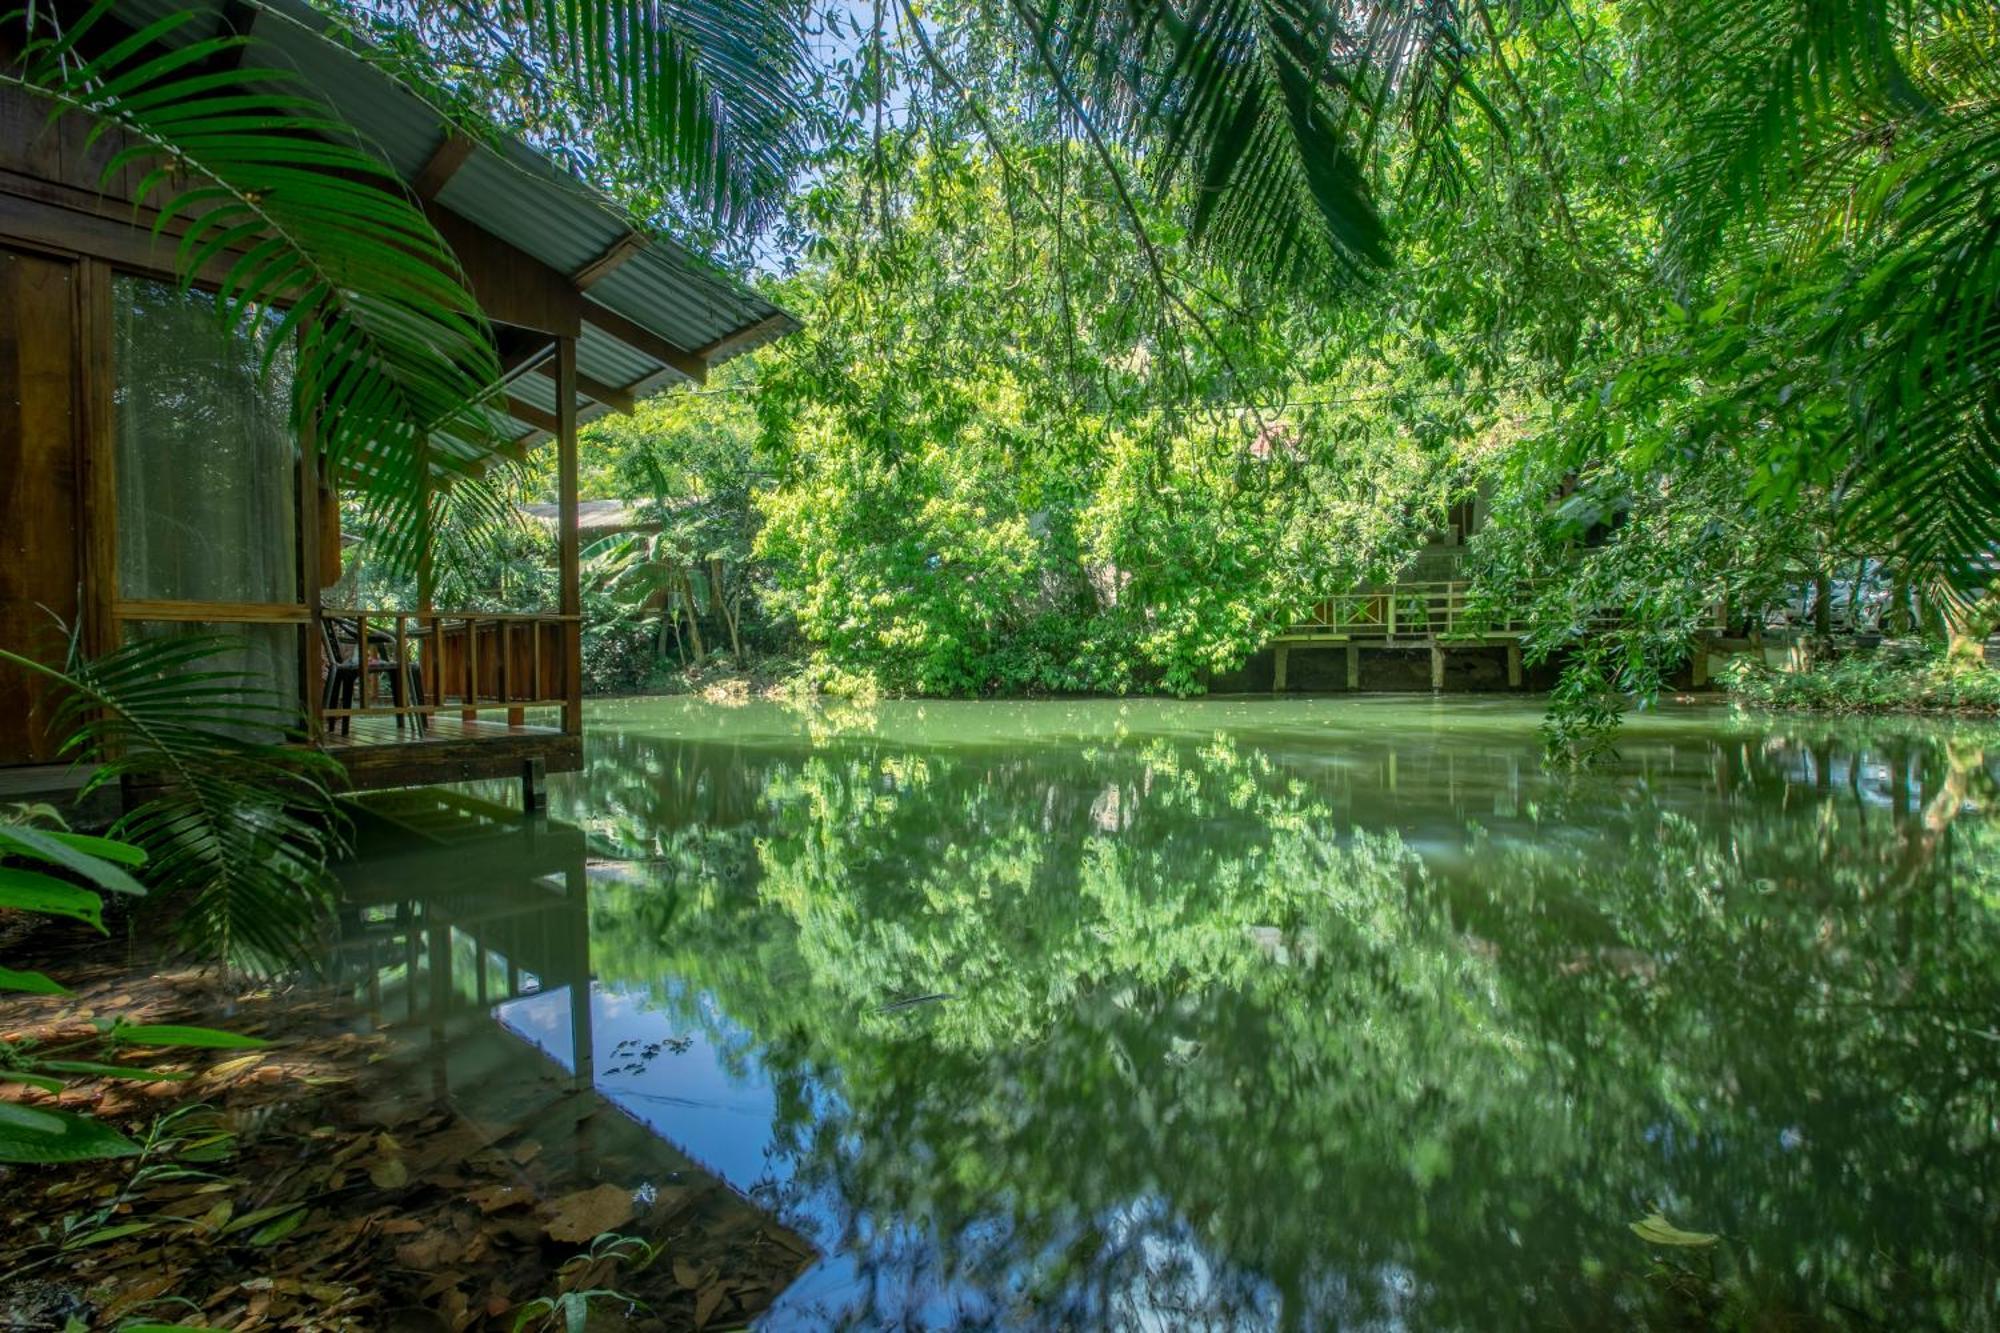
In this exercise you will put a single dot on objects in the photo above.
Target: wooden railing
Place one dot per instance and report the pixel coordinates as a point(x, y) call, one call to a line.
point(1425, 611)
point(420, 664)
point(1405, 611)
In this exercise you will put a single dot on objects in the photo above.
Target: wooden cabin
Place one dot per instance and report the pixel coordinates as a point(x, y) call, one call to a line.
point(150, 483)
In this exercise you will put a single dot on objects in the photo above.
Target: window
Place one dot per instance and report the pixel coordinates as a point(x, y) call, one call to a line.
point(205, 472)
point(206, 508)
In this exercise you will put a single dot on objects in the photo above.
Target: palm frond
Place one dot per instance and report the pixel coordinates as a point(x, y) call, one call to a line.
point(1921, 318)
point(708, 97)
point(1266, 109)
point(1864, 138)
point(1766, 90)
point(301, 227)
point(241, 827)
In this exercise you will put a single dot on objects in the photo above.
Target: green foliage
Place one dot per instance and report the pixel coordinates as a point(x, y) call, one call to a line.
point(238, 836)
point(73, 870)
point(1863, 682)
point(1034, 474)
point(569, 1308)
point(178, 1146)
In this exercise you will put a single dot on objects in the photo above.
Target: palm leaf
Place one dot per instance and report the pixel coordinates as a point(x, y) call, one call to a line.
point(303, 229)
point(708, 97)
point(242, 825)
point(1865, 136)
point(1266, 108)
point(1757, 86)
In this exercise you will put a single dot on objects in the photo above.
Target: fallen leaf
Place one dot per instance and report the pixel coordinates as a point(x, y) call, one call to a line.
point(1656, 1230)
point(389, 1173)
point(236, 1066)
point(493, 1198)
point(428, 1253)
point(590, 1213)
point(687, 1274)
point(705, 1304)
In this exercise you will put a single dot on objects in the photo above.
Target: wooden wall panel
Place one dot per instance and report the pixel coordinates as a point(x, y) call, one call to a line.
point(39, 559)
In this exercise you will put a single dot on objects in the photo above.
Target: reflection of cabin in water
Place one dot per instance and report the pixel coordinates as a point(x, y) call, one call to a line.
point(149, 479)
point(465, 940)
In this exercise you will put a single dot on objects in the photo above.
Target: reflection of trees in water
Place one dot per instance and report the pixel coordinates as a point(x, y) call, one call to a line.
point(1192, 1019)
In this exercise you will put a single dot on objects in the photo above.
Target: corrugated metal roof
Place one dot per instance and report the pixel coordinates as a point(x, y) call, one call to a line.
point(524, 199)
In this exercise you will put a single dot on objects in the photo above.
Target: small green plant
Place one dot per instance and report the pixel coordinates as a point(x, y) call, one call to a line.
point(569, 1308)
point(240, 832)
point(48, 870)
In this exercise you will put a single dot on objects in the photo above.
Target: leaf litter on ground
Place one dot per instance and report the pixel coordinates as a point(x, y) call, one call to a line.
point(316, 1191)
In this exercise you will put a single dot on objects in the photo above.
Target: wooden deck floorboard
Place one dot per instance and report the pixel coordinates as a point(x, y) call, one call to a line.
point(376, 753)
point(440, 730)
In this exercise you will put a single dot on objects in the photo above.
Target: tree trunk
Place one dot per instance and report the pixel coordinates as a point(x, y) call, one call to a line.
point(694, 620)
point(726, 608)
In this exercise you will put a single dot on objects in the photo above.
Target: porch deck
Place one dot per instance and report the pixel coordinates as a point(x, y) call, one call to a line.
point(377, 753)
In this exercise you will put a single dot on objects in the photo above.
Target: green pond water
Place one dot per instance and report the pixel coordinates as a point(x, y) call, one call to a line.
point(1305, 1013)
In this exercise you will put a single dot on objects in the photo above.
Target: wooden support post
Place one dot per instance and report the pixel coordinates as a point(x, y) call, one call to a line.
point(515, 716)
point(1353, 666)
point(1437, 665)
point(570, 566)
point(98, 485)
point(1281, 657)
point(432, 670)
point(1700, 665)
point(412, 960)
point(534, 787)
point(581, 1038)
point(1513, 666)
point(470, 711)
point(438, 946)
point(402, 676)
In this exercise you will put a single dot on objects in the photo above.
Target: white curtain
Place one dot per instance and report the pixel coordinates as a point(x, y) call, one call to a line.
point(205, 465)
point(206, 470)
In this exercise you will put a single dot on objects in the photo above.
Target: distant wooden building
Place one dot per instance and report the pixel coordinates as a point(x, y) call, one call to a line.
point(149, 481)
point(596, 519)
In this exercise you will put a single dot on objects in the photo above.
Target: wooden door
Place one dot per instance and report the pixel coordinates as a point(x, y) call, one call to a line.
point(39, 551)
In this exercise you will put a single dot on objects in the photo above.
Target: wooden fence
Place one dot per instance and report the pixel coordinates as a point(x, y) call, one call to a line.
point(1418, 611)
